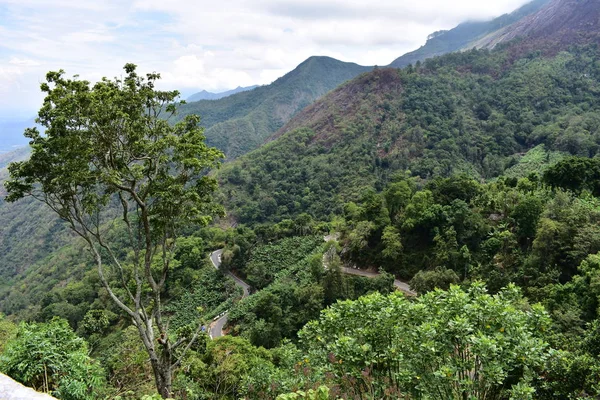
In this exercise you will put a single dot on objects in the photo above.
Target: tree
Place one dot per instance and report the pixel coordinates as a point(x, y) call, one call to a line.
point(51, 358)
point(453, 344)
point(392, 244)
point(575, 174)
point(439, 278)
point(110, 160)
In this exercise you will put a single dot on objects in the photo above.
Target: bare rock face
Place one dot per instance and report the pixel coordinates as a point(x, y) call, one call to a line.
point(12, 390)
point(563, 22)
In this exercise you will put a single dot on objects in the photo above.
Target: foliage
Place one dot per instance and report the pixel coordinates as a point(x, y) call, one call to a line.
point(576, 174)
point(8, 331)
point(51, 358)
point(267, 260)
point(230, 368)
point(322, 393)
point(107, 145)
point(427, 120)
point(439, 278)
point(445, 345)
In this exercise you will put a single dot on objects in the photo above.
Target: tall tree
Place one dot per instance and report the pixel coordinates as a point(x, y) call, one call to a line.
point(109, 158)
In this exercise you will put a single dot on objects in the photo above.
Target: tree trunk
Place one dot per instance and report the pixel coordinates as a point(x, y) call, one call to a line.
point(162, 377)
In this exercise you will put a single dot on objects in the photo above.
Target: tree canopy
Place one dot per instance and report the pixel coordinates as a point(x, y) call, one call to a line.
point(109, 163)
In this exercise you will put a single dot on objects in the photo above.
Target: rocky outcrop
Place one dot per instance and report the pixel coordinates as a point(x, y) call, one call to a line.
point(12, 390)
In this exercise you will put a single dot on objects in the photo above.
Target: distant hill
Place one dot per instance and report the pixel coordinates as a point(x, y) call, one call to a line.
point(17, 154)
point(204, 95)
point(465, 35)
point(241, 122)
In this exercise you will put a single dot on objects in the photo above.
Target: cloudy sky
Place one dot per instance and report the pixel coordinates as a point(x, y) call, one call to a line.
point(213, 45)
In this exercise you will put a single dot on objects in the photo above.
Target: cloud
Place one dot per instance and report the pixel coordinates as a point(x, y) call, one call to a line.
point(197, 44)
point(24, 62)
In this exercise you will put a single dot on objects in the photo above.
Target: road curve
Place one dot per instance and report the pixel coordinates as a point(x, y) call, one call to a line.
point(398, 284)
point(402, 286)
point(216, 328)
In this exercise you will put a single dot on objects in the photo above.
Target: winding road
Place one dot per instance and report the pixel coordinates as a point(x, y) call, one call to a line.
point(216, 327)
point(398, 284)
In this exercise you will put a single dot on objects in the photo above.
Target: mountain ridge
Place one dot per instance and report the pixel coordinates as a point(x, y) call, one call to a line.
point(206, 95)
point(559, 23)
point(465, 35)
point(243, 121)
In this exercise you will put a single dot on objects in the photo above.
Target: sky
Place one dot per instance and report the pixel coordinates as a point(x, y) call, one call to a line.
point(211, 45)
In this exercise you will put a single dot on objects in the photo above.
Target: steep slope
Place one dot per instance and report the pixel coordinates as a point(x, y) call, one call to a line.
point(241, 122)
point(205, 95)
point(17, 154)
point(559, 24)
point(465, 36)
point(28, 230)
point(475, 112)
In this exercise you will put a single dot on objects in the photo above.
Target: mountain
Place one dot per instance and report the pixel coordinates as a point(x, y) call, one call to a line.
point(465, 35)
point(474, 112)
point(18, 154)
point(557, 25)
point(204, 95)
point(241, 122)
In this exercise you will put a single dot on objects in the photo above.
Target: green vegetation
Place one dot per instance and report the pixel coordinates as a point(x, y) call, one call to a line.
point(474, 113)
point(474, 176)
point(444, 345)
point(242, 122)
point(107, 158)
point(52, 359)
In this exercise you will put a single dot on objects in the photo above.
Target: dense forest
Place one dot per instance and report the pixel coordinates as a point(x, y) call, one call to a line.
point(473, 177)
point(475, 113)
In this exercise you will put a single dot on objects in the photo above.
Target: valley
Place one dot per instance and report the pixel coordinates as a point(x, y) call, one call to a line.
point(424, 230)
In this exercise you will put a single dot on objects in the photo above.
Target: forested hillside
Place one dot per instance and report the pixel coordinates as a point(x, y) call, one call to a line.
point(473, 178)
point(242, 122)
point(475, 113)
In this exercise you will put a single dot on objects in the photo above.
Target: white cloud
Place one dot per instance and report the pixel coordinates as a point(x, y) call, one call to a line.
point(24, 62)
point(197, 44)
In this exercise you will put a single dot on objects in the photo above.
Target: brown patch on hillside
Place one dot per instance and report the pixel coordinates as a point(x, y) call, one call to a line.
point(561, 23)
point(329, 115)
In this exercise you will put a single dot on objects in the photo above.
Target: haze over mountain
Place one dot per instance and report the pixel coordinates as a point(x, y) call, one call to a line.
point(559, 23)
point(205, 95)
point(465, 35)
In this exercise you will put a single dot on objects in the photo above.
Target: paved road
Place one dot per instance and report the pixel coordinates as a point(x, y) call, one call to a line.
point(402, 286)
point(216, 328)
